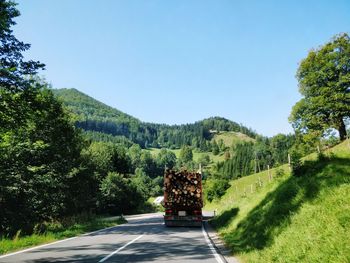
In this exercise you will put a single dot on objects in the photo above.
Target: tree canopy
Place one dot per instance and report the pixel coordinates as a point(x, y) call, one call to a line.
point(324, 82)
point(13, 68)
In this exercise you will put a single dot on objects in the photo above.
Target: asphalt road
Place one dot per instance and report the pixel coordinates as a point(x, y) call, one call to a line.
point(142, 239)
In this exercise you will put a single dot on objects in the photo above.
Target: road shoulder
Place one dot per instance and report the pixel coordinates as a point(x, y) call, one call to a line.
point(219, 244)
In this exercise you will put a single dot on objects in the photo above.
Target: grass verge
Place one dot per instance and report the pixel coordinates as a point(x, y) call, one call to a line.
point(292, 219)
point(56, 231)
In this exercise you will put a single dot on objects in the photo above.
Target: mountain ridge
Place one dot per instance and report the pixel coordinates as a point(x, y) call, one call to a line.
point(94, 115)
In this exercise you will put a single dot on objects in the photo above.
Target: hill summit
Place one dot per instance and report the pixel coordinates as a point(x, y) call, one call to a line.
point(95, 116)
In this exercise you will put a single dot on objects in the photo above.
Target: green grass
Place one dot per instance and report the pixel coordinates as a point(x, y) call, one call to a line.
point(54, 232)
point(232, 138)
point(229, 138)
point(291, 219)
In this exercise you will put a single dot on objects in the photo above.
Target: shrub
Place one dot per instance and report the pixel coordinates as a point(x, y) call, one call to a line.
point(217, 189)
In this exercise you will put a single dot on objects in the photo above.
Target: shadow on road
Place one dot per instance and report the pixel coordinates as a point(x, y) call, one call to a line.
point(159, 243)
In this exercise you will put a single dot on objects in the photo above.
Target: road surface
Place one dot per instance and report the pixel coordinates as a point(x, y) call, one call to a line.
point(142, 239)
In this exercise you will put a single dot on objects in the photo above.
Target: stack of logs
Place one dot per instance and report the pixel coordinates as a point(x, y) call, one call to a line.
point(182, 189)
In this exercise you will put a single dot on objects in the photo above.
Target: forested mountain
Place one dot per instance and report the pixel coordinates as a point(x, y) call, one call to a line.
point(93, 115)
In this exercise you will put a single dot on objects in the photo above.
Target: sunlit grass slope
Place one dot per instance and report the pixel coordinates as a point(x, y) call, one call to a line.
point(290, 219)
point(231, 138)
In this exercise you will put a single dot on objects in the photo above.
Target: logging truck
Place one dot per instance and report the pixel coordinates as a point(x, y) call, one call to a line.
point(183, 199)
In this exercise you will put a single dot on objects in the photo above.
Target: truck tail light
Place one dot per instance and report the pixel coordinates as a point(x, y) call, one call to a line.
point(168, 212)
point(197, 212)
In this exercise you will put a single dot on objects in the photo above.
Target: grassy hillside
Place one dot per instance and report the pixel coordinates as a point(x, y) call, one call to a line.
point(232, 138)
point(290, 219)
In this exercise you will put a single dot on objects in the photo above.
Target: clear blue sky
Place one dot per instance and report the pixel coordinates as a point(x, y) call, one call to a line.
point(182, 61)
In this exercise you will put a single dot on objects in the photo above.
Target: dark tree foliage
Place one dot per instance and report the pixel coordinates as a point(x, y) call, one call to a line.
point(39, 166)
point(240, 164)
point(48, 171)
point(96, 116)
point(118, 195)
point(216, 189)
point(103, 137)
point(247, 158)
point(166, 159)
point(13, 68)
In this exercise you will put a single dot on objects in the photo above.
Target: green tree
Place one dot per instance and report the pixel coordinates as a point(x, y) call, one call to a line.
point(135, 155)
point(215, 148)
point(16, 87)
point(166, 158)
point(13, 67)
point(324, 82)
point(148, 164)
point(204, 159)
point(39, 167)
point(118, 195)
point(108, 157)
point(143, 183)
point(216, 189)
point(186, 154)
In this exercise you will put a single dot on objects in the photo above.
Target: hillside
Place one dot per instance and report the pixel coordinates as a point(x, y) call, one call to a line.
point(196, 155)
point(290, 219)
point(231, 138)
point(94, 116)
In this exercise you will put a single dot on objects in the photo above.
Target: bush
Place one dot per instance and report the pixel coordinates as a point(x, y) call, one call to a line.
point(118, 195)
point(217, 189)
point(279, 172)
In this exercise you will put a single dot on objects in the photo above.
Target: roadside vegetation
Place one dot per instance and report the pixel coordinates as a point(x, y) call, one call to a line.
point(300, 214)
point(63, 153)
point(291, 218)
point(48, 232)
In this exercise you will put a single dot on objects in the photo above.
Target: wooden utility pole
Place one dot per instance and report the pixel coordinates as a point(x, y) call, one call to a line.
point(268, 172)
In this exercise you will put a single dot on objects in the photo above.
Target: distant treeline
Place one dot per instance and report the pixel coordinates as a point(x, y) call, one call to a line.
point(96, 116)
point(247, 158)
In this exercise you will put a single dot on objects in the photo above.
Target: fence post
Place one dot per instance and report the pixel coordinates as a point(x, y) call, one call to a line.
point(290, 168)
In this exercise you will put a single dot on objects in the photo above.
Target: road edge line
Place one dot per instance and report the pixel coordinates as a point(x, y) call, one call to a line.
point(37, 247)
point(219, 258)
point(54, 242)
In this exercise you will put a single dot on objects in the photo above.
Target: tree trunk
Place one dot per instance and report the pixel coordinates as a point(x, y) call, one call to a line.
point(342, 130)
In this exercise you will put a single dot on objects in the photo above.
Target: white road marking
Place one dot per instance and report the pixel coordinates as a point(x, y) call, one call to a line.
point(56, 242)
point(119, 249)
point(32, 248)
point(213, 250)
